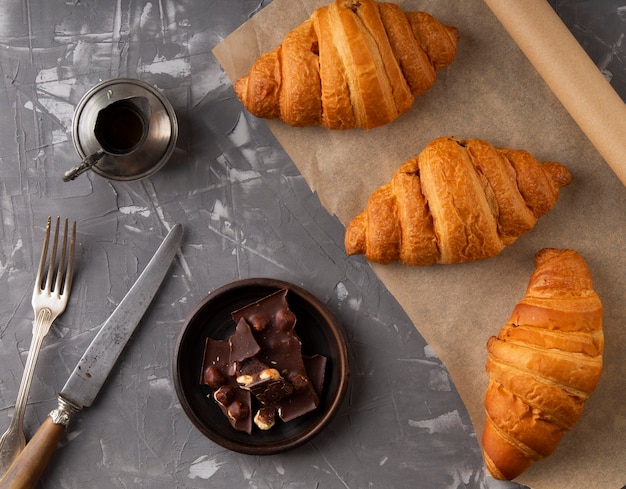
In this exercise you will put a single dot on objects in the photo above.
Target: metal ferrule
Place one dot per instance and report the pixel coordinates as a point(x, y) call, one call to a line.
point(63, 412)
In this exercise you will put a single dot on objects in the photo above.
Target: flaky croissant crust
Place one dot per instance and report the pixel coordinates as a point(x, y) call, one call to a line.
point(352, 64)
point(543, 365)
point(458, 201)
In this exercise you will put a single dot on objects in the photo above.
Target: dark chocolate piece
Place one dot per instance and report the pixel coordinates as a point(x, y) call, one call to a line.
point(242, 343)
point(303, 399)
point(316, 370)
point(215, 363)
point(272, 324)
point(234, 402)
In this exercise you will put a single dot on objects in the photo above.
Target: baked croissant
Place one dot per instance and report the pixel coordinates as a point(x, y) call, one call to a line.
point(543, 365)
point(354, 63)
point(458, 201)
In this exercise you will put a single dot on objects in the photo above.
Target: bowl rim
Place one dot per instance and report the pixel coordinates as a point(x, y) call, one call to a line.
point(342, 368)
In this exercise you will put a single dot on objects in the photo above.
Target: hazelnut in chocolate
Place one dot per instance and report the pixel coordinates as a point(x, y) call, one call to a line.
point(265, 418)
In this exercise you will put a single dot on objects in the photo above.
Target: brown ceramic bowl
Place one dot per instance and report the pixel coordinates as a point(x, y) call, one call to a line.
point(319, 333)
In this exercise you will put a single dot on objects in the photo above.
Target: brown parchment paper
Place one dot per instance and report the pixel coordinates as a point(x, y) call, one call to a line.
point(570, 73)
point(491, 91)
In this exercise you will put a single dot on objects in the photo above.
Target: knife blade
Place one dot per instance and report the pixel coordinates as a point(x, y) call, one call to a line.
point(93, 368)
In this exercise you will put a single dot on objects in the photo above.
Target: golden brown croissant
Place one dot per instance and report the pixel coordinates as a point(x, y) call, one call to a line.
point(543, 365)
point(354, 63)
point(458, 201)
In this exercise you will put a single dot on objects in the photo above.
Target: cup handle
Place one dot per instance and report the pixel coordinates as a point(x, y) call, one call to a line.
point(84, 165)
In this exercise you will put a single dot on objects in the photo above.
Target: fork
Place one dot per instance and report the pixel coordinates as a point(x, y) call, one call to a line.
point(50, 296)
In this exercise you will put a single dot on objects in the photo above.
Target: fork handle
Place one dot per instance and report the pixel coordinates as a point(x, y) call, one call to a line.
point(27, 468)
point(41, 326)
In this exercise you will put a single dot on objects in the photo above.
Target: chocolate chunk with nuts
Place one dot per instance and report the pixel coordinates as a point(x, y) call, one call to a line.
point(234, 402)
point(281, 349)
point(265, 383)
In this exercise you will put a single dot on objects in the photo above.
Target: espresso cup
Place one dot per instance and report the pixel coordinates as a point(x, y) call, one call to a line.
point(124, 129)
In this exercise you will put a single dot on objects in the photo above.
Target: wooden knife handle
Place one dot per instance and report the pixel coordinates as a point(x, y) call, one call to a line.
point(29, 465)
point(27, 468)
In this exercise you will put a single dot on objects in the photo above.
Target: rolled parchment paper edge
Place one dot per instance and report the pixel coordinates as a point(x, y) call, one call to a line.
point(570, 73)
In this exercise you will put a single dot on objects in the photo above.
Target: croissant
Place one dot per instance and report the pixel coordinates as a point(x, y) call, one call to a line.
point(543, 365)
point(353, 63)
point(458, 201)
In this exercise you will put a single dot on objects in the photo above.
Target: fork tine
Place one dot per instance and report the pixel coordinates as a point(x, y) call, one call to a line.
point(67, 283)
point(59, 279)
point(53, 258)
point(46, 284)
point(44, 255)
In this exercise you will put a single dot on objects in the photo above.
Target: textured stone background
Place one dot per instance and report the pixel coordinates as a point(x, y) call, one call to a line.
point(247, 212)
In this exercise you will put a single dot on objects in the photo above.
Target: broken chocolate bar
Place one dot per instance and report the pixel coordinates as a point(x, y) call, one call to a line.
point(272, 324)
point(263, 357)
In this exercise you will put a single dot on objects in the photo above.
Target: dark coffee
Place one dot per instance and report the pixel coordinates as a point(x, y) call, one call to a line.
point(120, 127)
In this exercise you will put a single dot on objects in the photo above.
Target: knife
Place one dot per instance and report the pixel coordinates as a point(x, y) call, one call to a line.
point(93, 368)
